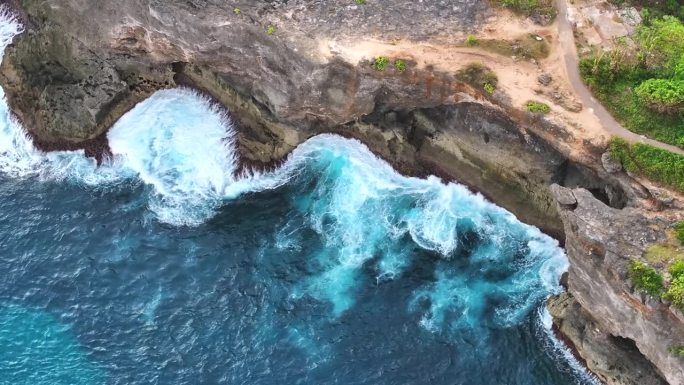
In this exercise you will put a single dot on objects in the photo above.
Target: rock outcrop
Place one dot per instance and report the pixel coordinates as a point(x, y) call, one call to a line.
point(600, 242)
point(81, 64)
point(615, 360)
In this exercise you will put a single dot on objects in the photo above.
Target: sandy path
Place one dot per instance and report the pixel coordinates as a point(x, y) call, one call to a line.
point(517, 78)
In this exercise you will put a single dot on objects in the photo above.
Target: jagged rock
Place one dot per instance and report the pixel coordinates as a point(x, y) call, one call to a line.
point(563, 195)
point(600, 243)
point(615, 360)
point(544, 79)
point(99, 58)
point(109, 55)
point(610, 164)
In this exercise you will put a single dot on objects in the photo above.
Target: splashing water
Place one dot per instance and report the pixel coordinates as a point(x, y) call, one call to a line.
point(328, 267)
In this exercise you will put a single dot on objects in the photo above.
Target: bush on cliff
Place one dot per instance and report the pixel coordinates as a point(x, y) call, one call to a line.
point(537, 107)
point(380, 63)
point(677, 269)
point(658, 165)
point(478, 75)
point(679, 228)
point(675, 293)
point(647, 279)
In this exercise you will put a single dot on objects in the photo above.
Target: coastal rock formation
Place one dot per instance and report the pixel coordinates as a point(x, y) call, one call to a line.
point(600, 243)
point(273, 64)
point(615, 360)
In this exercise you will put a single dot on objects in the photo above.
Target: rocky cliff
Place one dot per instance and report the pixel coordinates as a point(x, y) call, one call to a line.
point(275, 65)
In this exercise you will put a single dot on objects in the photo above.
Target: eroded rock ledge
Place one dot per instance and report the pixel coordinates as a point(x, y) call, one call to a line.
point(80, 65)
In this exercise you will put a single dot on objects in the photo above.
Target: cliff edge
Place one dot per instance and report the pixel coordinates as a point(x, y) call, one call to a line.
point(288, 70)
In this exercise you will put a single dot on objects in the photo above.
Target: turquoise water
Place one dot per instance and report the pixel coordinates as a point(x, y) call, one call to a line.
point(163, 266)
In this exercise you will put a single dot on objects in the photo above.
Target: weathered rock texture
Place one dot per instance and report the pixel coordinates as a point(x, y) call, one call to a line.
point(81, 64)
point(617, 361)
point(600, 242)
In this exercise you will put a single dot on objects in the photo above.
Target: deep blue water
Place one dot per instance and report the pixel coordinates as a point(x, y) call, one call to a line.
point(162, 267)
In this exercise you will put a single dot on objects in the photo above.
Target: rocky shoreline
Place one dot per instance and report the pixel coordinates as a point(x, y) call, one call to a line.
point(286, 87)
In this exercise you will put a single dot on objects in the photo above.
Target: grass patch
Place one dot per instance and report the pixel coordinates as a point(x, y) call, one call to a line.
point(479, 76)
point(679, 229)
point(537, 107)
point(663, 254)
point(677, 351)
point(270, 30)
point(360, 2)
point(471, 40)
point(658, 165)
point(543, 8)
point(646, 279)
point(526, 46)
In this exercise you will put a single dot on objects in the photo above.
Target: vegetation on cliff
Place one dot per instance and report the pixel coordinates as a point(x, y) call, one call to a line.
point(643, 85)
point(479, 76)
point(650, 281)
point(646, 278)
point(655, 8)
point(668, 256)
point(658, 165)
point(539, 9)
point(537, 107)
point(528, 46)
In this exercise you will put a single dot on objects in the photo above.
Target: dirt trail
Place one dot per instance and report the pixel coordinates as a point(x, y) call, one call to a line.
point(517, 78)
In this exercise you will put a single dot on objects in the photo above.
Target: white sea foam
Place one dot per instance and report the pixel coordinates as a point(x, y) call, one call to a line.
point(561, 352)
point(183, 150)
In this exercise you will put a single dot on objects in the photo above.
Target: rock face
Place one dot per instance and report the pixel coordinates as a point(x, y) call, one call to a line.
point(617, 361)
point(81, 64)
point(600, 242)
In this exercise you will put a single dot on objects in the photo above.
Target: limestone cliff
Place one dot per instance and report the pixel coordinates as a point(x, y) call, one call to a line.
point(81, 64)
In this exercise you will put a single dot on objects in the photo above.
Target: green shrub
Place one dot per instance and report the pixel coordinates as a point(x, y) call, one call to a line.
point(360, 2)
point(662, 43)
point(237, 11)
point(400, 65)
point(662, 95)
point(679, 228)
point(537, 107)
point(380, 63)
point(650, 162)
point(675, 293)
point(477, 75)
point(489, 88)
point(677, 269)
point(647, 279)
point(270, 30)
point(471, 40)
point(677, 350)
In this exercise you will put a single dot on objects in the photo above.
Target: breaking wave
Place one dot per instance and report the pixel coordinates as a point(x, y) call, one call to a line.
point(490, 272)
